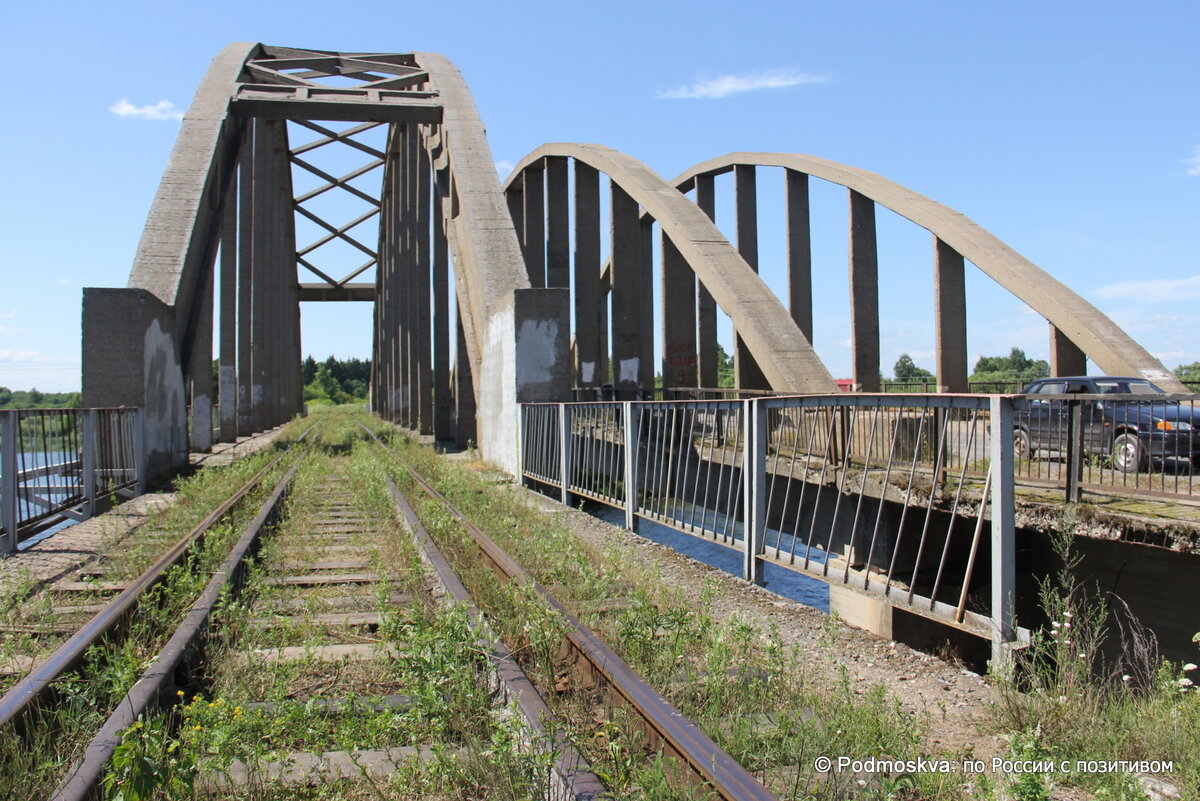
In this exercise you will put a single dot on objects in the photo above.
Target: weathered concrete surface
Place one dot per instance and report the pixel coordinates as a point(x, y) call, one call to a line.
point(783, 353)
point(543, 344)
point(485, 249)
point(130, 359)
point(1107, 345)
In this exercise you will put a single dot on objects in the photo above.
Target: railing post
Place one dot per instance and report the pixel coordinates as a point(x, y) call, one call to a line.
point(8, 480)
point(522, 443)
point(1003, 538)
point(140, 461)
point(88, 457)
point(1074, 449)
point(564, 452)
point(630, 414)
point(754, 489)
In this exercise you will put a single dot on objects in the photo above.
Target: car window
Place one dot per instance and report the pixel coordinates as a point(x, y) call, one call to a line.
point(1051, 388)
point(1127, 386)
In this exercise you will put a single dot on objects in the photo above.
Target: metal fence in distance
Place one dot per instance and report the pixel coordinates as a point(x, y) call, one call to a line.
point(882, 494)
point(62, 464)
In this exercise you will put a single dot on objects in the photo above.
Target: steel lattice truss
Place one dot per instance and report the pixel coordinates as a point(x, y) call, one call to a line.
point(315, 78)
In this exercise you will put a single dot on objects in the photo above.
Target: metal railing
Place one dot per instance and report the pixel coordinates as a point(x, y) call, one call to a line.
point(60, 464)
point(1146, 445)
point(883, 494)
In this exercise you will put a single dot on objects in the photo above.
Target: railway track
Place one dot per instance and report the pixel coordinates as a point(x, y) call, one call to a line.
point(335, 648)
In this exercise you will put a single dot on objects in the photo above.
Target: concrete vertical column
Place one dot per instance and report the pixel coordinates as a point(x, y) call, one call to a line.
point(679, 318)
point(443, 402)
point(534, 214)
point(287, 344)
point(424, 360)
point(260, 266)
point(950, 317)
point(706, 305)
point(245, 289)
point(389, 329)
point(1003, 548)
point(626, 256)
point(408, 282)
point(645, 281)
point(377, 308)
point(1065, 356)
point(558, 223)
point(748, 374)
point(200, 363)
point(227, 352)
point(514, 195)
point(464, 391)
point(799, 252)
point(864, 294)
point(590, 311)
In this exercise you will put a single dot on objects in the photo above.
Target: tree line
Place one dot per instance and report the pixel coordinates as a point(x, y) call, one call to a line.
point(1015, 368)
point(336, 380)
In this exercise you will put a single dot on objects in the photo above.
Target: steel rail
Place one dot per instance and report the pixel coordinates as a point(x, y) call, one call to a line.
point(667, 727)
point(577, 781)
point(25, 692)
point(155, 684)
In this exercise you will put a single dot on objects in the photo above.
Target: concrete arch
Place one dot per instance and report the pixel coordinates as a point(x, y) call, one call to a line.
point(785, 357)
point(227, 189)
point(1087, 327)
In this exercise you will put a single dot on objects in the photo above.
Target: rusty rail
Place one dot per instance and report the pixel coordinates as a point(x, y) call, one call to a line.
point(706, 763)
point(27, 691)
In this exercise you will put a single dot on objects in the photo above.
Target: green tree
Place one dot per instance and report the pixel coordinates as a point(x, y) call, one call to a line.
point(724, 367)
point(1016, 367)
point(308, 369)
point(1188, 372)
point(906, 369)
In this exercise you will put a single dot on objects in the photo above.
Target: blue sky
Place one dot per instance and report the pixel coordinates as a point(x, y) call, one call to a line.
point(1068, 129)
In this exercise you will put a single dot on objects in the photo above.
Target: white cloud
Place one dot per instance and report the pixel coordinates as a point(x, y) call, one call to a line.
point(7, 314)
point(162, 110)
point(1153, 290)
point(504, 167)
point(5, 330)
point(1193, 163)
point(725, 85)
point(23, 357)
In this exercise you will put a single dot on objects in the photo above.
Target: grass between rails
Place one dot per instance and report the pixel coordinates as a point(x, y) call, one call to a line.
point(53, 736)
point(258, 714)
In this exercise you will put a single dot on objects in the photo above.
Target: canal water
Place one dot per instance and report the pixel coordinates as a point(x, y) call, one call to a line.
point(779, 580)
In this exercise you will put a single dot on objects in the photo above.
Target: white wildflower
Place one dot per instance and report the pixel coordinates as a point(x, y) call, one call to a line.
point(1189, 667)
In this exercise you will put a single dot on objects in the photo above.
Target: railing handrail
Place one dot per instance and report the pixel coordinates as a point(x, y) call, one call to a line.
point(61, 469)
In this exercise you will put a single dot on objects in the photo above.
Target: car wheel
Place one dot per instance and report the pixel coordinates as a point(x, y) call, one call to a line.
point(1022, 445)
point(1128, 455)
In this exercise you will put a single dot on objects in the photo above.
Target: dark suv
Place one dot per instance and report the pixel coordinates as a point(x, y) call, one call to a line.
point(1130, 427)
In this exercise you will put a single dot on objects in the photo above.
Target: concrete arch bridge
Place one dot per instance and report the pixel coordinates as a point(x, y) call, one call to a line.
point(486, 296)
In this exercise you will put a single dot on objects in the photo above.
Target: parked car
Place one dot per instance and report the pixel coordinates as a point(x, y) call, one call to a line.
point(1129, 428)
